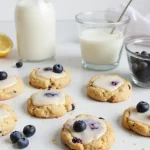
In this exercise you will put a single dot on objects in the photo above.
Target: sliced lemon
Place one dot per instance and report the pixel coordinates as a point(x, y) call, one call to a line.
point(6, 45)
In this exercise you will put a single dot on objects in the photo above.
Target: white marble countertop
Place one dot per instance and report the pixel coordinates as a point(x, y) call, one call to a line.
point(68, 54)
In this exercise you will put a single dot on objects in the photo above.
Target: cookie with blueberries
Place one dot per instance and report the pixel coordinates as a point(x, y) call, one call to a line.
point(50, 104)
point(46, 78)
point(87, 132)
point(10, 86)
point(8, 119)
point(109, 88)
point(137, 119)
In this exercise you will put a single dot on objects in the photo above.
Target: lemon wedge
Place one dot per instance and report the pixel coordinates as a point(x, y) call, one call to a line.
point(6, 45)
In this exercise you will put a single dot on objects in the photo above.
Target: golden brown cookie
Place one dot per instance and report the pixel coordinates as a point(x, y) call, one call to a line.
point(50, 104)
point(8, 119)
point(111, 88)
point(44, 78)
point(12, 90)
point(98, 134)
point(136, 121)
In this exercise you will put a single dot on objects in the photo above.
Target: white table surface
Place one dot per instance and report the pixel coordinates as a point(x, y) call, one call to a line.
point(68, 54)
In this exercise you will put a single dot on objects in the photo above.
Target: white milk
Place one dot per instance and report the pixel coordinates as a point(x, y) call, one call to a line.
point(98, 46)
point(35, 27)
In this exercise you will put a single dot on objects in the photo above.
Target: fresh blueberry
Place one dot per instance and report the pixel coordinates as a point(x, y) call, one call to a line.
point(22, 143)
point(19, 64)
point(79, 126)
point(15, 136)
point(47, 69)
point(58, 68)
point(73, 106)
point(3, 75)
point(137, 53)
point(144, 53)
point(142, 107)
point(149, 54)
point(50, 94)
point(76, 140)
point(134, 67)
point(143, 66)
point(29, 130)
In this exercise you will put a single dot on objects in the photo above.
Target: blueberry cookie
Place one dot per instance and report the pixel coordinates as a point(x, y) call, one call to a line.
point(87, 132)
point(111, 88)
point(137, 119)
point(8, 119)
point(45, 78)
point(50, 104)
point(10, 86)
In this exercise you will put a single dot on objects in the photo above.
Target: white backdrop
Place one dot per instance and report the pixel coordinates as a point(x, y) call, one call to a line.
point(66, 9)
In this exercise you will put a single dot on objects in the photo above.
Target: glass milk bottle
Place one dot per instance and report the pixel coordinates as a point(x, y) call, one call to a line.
point(35, 27)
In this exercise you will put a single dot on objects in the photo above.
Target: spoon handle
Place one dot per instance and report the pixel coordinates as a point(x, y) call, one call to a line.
point(122, 14)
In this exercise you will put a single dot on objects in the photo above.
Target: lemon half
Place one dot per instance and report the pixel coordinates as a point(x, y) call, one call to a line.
point(6, 45)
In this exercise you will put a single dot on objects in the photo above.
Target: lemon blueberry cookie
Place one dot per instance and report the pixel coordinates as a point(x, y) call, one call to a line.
point(44, 78)
point(8, 119)
point(50, 104)
point(137, 119)
point(10, 86)
point(110, 88)
point(87, 132)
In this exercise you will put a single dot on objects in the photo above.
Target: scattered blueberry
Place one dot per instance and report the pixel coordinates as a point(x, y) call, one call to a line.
point(134, 67)
point(15, 136)
point(29, 130)
point(73, 106)
point(47, 69)
point(79, 126)
point(50, 94)
point(114, 83)
point(58, 68)
point(19, 64)
point(149, 54)
point(76, 140)
point(143, 66)
point(3, 75)
point(144, 53)
point(22, 143)
point(142, 107)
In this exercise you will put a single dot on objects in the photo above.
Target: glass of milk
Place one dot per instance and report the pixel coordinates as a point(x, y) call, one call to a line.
point(35, 29)
point(101, 38)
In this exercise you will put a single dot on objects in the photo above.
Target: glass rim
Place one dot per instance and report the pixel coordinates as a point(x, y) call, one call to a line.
point(134, 41)
point(99, 23)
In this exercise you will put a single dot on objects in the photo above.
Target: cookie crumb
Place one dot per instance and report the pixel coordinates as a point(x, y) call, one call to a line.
point(134, 144)
point(131, 134)
point(43, 121)
point(54, 141)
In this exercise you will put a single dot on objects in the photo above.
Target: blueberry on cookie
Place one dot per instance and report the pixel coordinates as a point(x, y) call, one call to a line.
point(111, 88)
point(56, 77)
point(86, 132)
point(137, 119)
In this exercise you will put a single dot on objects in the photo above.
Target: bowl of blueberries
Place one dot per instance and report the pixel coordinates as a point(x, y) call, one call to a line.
point(138, 53)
